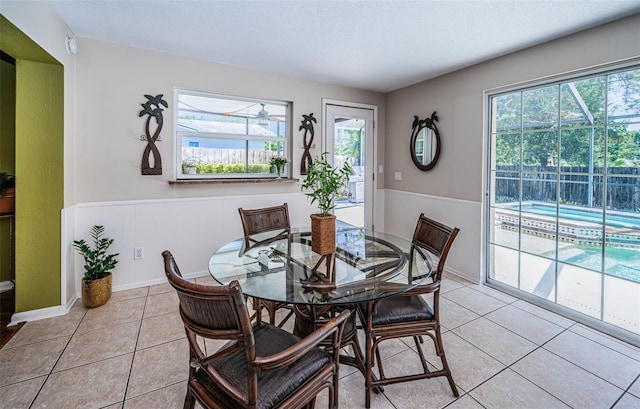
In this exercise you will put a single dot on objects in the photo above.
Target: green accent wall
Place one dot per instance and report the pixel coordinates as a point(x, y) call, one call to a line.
point(39, 139)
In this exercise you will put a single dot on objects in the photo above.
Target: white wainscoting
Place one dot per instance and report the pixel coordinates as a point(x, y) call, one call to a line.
point(192, 229)
point(404, 208)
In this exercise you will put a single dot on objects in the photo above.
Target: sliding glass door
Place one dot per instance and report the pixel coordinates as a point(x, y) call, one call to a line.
point(564, 195)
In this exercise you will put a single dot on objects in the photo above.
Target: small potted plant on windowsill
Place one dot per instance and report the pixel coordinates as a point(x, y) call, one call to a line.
point(96, 283)
point(278, 163)
point(323, 183)
point(7, 193)
point(189, 166)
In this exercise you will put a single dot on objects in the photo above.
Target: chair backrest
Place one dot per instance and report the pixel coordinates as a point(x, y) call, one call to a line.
point(436, 238)
point(211, 311)
point(255, 222)
point(266, 219)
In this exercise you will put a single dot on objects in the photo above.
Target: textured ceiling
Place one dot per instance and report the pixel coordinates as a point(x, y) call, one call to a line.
point(375, 45)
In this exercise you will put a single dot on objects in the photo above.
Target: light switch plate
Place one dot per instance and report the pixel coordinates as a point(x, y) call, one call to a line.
point(398, 176)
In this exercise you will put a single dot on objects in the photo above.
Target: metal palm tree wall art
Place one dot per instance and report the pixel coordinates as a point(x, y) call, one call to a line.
point(152, 108)
point(307, 125)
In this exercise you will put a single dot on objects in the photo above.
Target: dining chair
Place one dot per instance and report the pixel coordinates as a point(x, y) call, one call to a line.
point(409, 314)
point(256, 224)
point(261, 366)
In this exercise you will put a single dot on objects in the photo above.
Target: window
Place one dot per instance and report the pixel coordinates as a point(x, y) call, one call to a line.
point(228, 137)
point(564, 191)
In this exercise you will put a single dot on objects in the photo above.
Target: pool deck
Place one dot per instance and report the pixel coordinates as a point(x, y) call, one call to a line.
point(568, 230)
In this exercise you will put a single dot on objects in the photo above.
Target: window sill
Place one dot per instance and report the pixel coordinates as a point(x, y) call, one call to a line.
point(230, 181)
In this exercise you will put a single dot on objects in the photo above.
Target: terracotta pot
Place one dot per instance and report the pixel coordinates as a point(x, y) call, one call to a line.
point(323, 234)
point(96, 292)
point(8, 201)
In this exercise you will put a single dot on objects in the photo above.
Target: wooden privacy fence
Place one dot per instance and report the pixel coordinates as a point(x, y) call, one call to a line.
point(225, 156)
point(540, 184)
point(232, 156)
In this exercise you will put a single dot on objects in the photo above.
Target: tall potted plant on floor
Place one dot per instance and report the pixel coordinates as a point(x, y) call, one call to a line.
point(96, 283)
point(323, 184)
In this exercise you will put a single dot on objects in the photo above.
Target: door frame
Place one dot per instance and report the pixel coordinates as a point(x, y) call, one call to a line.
point(370, 176)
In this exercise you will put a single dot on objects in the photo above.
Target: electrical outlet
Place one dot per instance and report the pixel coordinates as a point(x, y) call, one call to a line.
point(138, 253)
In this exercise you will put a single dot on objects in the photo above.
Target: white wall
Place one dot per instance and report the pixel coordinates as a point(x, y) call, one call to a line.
point(146, 211)
point(112, 81)
point(456, 185)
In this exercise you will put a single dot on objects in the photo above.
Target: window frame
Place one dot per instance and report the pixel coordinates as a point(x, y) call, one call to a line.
point(247, 137)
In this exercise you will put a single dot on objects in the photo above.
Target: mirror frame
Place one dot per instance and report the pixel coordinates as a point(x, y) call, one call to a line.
point(417, 127)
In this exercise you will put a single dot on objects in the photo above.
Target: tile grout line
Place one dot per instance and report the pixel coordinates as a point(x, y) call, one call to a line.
point(135, 348)
point(57, 360)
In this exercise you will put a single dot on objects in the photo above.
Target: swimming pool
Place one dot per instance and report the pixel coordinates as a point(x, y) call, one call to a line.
point(614, 219)
point(577, 225)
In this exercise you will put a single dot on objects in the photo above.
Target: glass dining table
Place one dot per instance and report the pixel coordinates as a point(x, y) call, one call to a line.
point(281, 267)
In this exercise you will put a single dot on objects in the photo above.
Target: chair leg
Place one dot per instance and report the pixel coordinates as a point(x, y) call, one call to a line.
point(418, 340)
point(445, 365)
point(189, 400)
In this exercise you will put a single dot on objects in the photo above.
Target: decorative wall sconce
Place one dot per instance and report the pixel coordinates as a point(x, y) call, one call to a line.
point(152, 108)
point(307, 125)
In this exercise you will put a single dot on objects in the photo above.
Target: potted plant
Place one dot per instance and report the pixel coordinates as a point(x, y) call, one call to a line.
point(189, 166)
point(323, 183)
point(278, 162)
point(96, 283)
point(7, 193)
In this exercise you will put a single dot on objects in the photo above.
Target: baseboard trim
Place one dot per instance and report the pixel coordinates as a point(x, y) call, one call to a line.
point(39, 314)
point(50, 312)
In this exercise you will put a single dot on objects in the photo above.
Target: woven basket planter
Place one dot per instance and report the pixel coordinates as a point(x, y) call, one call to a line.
point(323, 234)
point(96, 292)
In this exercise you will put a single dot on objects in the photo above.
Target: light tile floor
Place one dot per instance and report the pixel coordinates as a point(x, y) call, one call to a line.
point(504, 353)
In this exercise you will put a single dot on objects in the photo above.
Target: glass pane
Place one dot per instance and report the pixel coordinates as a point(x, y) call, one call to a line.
point(504, 265)
point(506, 187)
point(217, 156)
point(623, 146)
point(624, 97)
point(506, 230)
point(539, 187)
point(579, 289)
point(540, 149)
point(538, 276)
point(581, 190)
point(622, 303)
point(540, 108)
point(538, 217)
point(623, 192)
point(581, 147)
point(506, 112)
point(582, 102)
point(506, 151)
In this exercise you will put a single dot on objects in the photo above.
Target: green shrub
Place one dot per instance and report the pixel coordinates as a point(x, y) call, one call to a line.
point(234, 168)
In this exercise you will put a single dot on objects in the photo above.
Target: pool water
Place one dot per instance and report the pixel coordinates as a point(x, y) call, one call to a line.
point(619, 220)
point(619, 262)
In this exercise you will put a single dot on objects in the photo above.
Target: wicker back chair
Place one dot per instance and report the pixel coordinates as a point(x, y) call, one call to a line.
point(263, 366)
point(257, 224)
point(409, 314)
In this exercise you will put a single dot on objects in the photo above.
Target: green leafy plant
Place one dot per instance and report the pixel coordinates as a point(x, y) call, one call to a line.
point(324, 182)
point(7, 181)
point(97, 263)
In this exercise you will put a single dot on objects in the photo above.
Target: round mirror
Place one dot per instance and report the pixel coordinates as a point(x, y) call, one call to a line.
point(425, 142)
